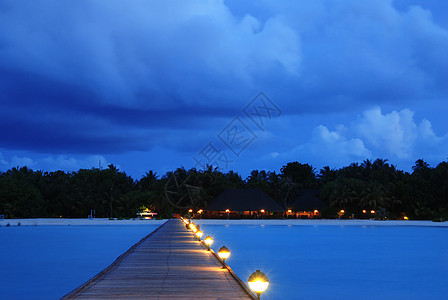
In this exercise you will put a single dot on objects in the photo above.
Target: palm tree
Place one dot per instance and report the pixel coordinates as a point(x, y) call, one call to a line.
point(420, 164)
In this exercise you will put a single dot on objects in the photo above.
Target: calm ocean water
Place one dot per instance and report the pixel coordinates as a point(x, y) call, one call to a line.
point(340, 262)
point(47, 262)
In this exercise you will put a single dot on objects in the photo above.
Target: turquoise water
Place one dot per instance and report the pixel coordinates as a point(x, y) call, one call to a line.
point(340, 262)
point(47, 262)
point(302, 262)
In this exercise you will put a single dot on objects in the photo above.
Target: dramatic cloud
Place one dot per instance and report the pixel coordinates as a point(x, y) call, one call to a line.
point(395, 136)
point(82, 78)
point(51, 163)
point(330, 147)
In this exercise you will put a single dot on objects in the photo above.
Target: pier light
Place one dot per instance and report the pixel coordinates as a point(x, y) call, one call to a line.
point(342, 211)
point(227, 210)
point(405, 218)
point(289, 211)
point(208, 241)
point(190, 210)
point(258, 282)
point(262, 211)
point(193, 227)
point(200, 211)
point(316, 211)
point(199, 234)
point(224, 253)
point(372, 211)
point(364, 211)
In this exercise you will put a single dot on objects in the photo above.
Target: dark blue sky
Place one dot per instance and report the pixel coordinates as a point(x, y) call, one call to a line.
point(162, 84)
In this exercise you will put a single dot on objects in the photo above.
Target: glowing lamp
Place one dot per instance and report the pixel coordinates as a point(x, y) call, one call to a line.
point(190, 210)
point(372, 211)
point(406, 218)
point(258, 282)
point(342, 211)
point(200, 211)
point(199, 234)
point(289, 211)
point(364, 211)
point(262, 211)
point(208, 241)
point(224, 253)
point(227, 210)
point(193, 227)
point(316, 211)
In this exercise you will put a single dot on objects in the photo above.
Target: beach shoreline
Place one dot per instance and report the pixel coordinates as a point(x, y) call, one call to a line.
point(75, 222)
point(267, 222)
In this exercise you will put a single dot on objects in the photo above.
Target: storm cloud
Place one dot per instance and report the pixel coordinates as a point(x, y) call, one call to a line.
point(80, 79)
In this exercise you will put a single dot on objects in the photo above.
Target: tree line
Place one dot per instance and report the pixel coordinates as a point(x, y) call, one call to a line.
point(371, 185)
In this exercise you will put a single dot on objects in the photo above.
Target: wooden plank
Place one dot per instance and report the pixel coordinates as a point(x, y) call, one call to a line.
point(166, 264)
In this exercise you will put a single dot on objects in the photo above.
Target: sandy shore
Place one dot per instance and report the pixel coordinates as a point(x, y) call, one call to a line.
point(299, 222)
point(105, 221)
point(61, 221)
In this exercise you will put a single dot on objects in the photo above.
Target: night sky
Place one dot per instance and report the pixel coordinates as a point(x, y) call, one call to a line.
point(243, 85)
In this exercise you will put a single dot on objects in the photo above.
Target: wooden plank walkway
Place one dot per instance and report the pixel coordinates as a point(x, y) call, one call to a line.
point(166, 264)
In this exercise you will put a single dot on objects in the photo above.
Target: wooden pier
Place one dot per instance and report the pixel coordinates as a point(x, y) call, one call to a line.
point(167, 264)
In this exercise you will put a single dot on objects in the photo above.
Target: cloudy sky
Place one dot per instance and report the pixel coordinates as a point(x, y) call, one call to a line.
point(155, 85)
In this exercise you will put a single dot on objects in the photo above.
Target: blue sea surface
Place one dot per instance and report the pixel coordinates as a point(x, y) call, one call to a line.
point(302, 262)
point(47, 262)
point(339, 262)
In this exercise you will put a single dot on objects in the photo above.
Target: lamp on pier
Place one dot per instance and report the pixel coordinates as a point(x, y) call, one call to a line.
point(199, 234)
point(258, 282)
point(208, 241)
point(193, 227)
point(224, 253)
